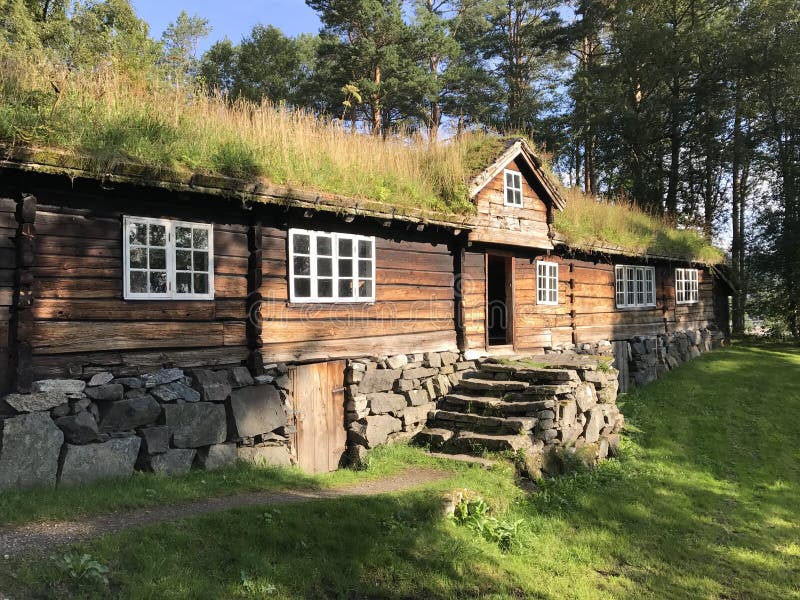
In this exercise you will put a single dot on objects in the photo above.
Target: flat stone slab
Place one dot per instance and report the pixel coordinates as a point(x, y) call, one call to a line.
point(112, 459)
point(492, 385)
point(218, 456)
point(63, 386)
point(273, 456)
point(29, 449)
point(468, 441)
point(197, 424)
point(36, 402)
point(256, 410)
point(175, 461)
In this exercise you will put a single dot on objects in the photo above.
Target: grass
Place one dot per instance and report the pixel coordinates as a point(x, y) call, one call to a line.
point(588, 223)
point(107, 119)
point(703, 503)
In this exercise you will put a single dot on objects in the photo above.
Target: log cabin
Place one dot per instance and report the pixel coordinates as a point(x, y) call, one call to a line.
point(133, 271)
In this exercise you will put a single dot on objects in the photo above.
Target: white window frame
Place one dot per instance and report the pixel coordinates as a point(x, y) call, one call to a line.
point(547, 274)
point(517, 177)
point(628, 291)
point(335, 237)
point(171, 293)
point(687, 286)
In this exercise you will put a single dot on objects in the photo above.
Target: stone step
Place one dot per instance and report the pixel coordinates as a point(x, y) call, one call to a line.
point(465, 458)
point(491, 386)
point(434, 437)
point(477, 423)
point(491, 406)
point(469, 442)
point(533, 392)
point(522, 372)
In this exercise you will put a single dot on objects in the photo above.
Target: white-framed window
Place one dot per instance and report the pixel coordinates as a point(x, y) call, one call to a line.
point(331, 267)
point(168, 260)
point(687, 286)
point(546, 282)
point(635, 286)
point(513, 187)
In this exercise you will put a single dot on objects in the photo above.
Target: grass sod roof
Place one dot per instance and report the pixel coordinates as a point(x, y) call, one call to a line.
point(107, 126)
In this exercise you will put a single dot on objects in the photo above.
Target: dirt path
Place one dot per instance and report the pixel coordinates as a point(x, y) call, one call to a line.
point(38, 537)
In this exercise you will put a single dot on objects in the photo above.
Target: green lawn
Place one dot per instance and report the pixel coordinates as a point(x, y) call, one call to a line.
point(704, 503)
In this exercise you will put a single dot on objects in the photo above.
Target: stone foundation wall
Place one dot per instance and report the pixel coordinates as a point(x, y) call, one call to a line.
point(73, 431)
point(649, 357)
point(389, 398)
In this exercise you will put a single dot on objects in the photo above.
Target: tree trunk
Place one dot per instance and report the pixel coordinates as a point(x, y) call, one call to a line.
point(376, 104)
point(737, 242)
point(675, 151)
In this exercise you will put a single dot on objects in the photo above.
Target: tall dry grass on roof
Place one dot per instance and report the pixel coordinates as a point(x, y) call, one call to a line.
point(109, 118)
point(589, 223)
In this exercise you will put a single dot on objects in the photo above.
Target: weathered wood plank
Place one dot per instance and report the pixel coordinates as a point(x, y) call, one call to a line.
point(118, 310)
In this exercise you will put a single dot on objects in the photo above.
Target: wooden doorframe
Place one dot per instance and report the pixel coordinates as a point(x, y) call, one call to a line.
point(509, 261)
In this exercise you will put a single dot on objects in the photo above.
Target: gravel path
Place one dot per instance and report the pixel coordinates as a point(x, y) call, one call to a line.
point(39, 537)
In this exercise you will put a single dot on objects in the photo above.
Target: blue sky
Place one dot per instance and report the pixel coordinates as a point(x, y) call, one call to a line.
point(230, 18)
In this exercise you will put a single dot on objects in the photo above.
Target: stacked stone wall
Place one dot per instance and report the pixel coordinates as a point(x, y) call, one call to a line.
point(73, 431)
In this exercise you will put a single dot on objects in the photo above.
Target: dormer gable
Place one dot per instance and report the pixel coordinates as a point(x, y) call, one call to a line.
point(515, 199)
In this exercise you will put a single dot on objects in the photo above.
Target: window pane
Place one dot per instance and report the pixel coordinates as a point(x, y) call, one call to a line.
point(183, 260)
point(365, 268)
point(324, 267)
point(158, 235)
point(158, 282)
point(137, 233)
point(301, 244)
point(324, 246)
point(183, 283)
point(158, 259)
point(302, 287)
point(364, 289)
point(345, 288)
point(509, 179)
point(183, 237)
point(345, 267)
point(138, 258)
point(302, 265)
point(200, 283)
point(364, 249)
point(325, 288)
point(518, 197)
point(200, 239)
point(345, 247)
point(138, 283)
point(201, 261)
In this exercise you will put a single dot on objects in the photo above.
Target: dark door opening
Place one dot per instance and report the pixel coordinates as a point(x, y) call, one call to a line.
point(499, 309)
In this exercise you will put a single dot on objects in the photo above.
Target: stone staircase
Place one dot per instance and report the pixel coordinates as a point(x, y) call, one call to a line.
point(526, 406)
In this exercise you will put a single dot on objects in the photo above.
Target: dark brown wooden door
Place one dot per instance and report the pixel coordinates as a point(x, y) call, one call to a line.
point(320, 439)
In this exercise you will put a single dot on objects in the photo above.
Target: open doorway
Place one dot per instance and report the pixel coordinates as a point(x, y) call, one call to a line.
point(499, 299)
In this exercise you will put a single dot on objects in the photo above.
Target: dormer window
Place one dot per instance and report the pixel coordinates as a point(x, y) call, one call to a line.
point(513, 188)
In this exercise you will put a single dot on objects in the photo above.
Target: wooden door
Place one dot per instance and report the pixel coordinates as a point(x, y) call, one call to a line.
point(320, 439)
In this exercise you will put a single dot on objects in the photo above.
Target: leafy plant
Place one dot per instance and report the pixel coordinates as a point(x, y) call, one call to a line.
point(83, 568)
point(255, 588)
point(475, 514)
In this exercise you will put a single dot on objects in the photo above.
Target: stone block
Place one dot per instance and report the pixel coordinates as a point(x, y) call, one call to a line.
point(108, 392)
point(175, 461)
point(218, 456)
point(212, 385)
point(130, 413)
point(60, 386)
point(405, 385)
point(130, 383)
point(112, 459)
point(449, 358)
point(155, 440)
point(413, 415)
point(195, 425)
point(397, 361)
point(256, 410)
point(29, 449)
point(378, 380)
point(419, 373)
point(433, 359)
point(594, 423)
point(385, 402)
point(374, 430)
point(80, 428)
point(240, 377)
point(417, 397)
point(358, 404)
point(174, 392)
point(62, 410)
point(162, 377)
point(274, 456)
point(100, 379)
point(586, 396)
point(36, 402)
